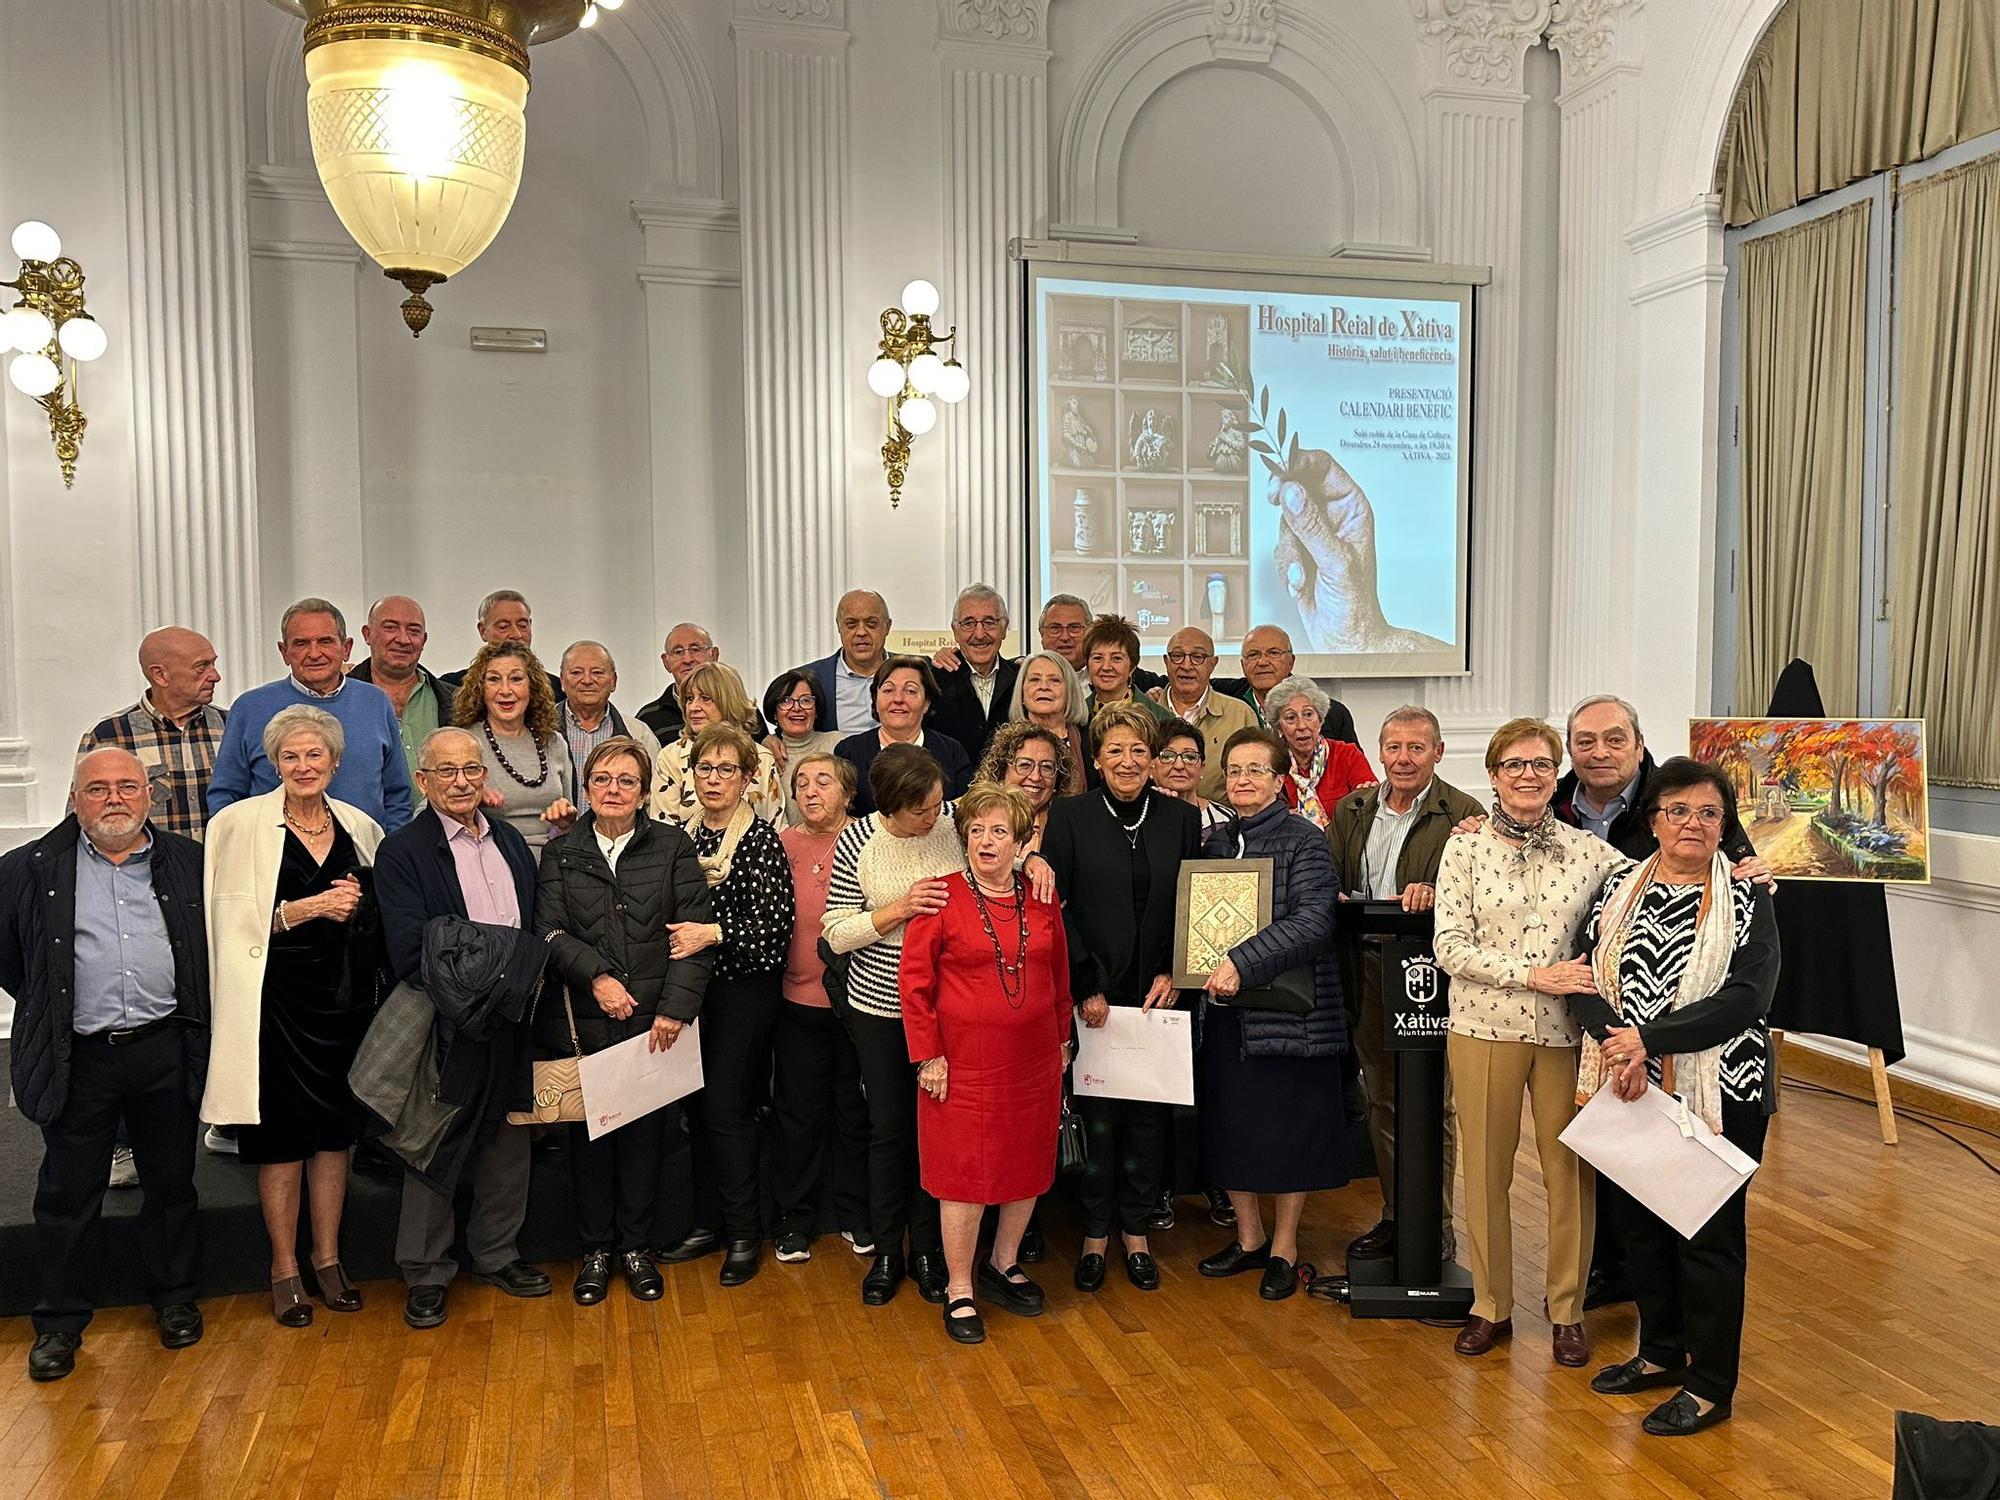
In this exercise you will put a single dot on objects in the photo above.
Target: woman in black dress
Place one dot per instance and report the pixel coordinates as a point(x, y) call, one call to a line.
point(293, 995)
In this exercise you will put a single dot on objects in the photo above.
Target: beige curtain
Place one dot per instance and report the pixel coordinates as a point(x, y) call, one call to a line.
point(1840, 89)
point(1805, 348)
point(1945, 484)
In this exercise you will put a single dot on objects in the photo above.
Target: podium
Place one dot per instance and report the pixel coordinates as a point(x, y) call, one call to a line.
point(1417, 1282)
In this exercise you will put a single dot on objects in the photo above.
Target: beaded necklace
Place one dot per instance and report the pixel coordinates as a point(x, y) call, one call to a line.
point(1016, 991)
point(541, 756)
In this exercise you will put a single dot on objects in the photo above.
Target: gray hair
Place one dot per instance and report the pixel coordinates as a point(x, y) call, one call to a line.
point(1292, 687)
point(598, 646)
point(502, 596)
point(311, 607)
point(1075, 710)
point(985, 593)
point(445, 731)
point(303, 718)
point(1631, 714)
point(1410, 713)
point(1055, 601)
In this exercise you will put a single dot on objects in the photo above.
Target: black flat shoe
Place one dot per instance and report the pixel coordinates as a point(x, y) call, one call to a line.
point(53, 1356)
point(1162, 1216)
point(642, 1277)
point(699, 1242)
point(425, 1306)
point(1142, 1270)
point(1089, 1272)
point(1221, 1212)
point(927, 1270)
point(1022, 1298)
point(966, 1330)
point(885, 1275)
point(1232, 1260)
point(1281, 1279)
point(593, 1278)
point(1378, 1243)
point(1034, 1246)
point(518, 1279)
point(1605, 1289)
point(180, 1325)
point(1623, 1380)
point(743, 1261)
point(1678, 1416)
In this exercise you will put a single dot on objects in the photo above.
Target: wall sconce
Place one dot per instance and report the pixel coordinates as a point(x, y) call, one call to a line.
point(907, 374)
point(53, 334)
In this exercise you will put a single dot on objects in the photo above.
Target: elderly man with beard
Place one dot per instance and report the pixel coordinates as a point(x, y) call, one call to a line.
point(103, 951)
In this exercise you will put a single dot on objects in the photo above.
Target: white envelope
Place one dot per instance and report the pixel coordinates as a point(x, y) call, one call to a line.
point(1137, 1054)
point(625, 1082)
point(1661, 1154)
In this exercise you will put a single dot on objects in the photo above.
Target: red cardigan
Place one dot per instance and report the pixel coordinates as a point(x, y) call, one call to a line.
point(1346, 769)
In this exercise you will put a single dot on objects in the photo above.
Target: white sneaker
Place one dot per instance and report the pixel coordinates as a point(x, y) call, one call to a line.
point(220, 1144)
point(860, 1247)
point(124, 1170)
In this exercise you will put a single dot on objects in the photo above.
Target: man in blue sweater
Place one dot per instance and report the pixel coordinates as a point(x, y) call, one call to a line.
point(373, 775)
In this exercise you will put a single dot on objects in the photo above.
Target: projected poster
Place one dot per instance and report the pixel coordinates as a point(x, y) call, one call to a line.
point(1226, 456)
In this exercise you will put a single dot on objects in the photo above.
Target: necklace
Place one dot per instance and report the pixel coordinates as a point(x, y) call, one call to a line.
point(1014, 991)
point(311, 833)
point(1130, 830)
point(541, 756)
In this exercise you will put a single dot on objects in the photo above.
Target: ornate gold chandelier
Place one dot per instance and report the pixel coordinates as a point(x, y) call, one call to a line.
point(54, 335)
point(907, 374)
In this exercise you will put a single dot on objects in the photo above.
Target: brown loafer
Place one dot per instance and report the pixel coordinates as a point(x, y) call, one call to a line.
point(1478, 1336)
point(1572, 1345)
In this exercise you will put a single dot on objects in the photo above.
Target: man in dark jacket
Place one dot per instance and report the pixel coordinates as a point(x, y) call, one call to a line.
point(1268, 660)
point(450, 860)
point(103, 950)
point(395, 635)
point(975, 682)
point(687, 646)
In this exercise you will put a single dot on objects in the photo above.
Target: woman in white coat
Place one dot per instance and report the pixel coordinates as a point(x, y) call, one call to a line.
point(289, 1005)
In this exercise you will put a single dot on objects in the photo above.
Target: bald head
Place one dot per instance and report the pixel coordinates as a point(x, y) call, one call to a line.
point(179, 667)
point(110, 794)
point(862, 617)
point(1190, 664)
point(395, 634)
point(1267, 658)
point(688, 646)
point(453, 791)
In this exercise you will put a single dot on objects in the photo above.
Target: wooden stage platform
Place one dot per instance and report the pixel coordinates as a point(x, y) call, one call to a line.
point(1871, 1271)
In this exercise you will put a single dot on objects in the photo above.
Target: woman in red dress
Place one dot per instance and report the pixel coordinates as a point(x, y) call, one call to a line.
point(986, 1008)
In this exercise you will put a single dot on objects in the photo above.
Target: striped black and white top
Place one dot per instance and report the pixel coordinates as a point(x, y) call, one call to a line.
point(871, 868)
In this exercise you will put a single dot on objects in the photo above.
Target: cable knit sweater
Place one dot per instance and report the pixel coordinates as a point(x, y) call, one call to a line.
point(871, 868)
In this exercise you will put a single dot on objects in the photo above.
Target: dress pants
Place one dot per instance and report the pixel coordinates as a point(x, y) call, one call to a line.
point(617, 1182)
point(897, 1201)
point(1378, 1083)
point(737, 1020)
point(1126, 1142)
point(818, 1084)
point(1690, 1292)
point(1489, 1079)
point(144, 1083)
point(499, 1173)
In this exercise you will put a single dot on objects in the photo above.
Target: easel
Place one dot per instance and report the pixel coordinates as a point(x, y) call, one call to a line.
point(1878, 1071)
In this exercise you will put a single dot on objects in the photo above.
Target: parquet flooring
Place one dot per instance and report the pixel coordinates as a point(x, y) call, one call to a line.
point(1871, 1272)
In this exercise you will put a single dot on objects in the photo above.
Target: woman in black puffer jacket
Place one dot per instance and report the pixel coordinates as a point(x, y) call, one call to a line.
point(1267, 1082)
point(606, 891)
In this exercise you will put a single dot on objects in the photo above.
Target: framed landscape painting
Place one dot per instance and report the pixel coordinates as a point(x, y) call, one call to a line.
point(1827, 799)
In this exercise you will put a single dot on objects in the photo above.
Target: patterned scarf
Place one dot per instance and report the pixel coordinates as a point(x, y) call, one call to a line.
point(715, 867)
point(1306, 784)
point(1540, 834)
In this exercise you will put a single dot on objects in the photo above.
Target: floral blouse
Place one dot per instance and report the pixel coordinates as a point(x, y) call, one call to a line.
point(1503, 912)
point(673, 786)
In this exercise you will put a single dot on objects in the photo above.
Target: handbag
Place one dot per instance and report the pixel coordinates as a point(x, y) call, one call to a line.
point(558, 1083)
point(835, 979)
point(1292, 993)
point(1072, 1154)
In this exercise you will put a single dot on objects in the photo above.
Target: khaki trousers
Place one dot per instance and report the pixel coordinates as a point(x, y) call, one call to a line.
point(1488, 1079)
point(1378, 1087)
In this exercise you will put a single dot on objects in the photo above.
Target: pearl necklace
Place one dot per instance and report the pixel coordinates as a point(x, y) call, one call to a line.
point(1131, 833)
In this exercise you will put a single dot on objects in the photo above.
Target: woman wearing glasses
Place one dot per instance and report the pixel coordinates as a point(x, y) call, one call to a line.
point(1177, 771)
point(1035, 762)
point(714, 694)
point(792, 703)
point(1511, 904)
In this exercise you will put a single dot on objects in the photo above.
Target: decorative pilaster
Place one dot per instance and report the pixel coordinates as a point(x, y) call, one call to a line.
point(791, 115)
point(17, 766)
point(179, 66)
point(993, 69)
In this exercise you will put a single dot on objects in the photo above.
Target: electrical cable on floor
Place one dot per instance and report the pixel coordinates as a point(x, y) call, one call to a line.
point(1915, 1117)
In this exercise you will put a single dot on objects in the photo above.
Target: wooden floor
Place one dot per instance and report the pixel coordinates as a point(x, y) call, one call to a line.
point(1871, 1268)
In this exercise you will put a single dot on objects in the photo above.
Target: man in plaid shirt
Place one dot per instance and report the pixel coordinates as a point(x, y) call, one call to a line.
point(173, 728)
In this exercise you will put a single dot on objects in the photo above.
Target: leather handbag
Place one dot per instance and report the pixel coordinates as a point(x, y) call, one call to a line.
point(1072, 1154)
point(1291, 993)
point(558, 1083)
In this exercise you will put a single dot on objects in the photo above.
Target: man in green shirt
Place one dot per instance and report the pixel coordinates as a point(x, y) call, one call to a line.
point(395, 634)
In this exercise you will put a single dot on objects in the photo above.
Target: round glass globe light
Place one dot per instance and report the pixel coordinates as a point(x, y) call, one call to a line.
point(26, 329)
point(610, 4)
point(589, 17)
point(953, 382)
point(34, 240)
point(924, 372)
point(920, 299)
point(885, 377)
point(34, 374)
point(917, 415)
point(82, 337)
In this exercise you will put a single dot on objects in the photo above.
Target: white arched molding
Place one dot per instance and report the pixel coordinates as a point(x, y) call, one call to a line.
point(676, 98)
point(1327, 69)
point(286, 140)
point(993, 73)
point(1691, 143)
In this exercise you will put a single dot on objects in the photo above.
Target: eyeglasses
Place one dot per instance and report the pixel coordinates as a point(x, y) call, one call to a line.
point(712, 770)
point(984, 622)
point(1188, 658)
point(800, 701)
point(1247, 773)
point(1269, 653)
point(1025, 767)
point(1679, 813)
point(452, 773)
point(1541, 765)
point(603, 781)
point(124, 791)
point(1179, 757)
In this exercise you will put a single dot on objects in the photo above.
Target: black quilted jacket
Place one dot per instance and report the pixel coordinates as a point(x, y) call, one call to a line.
point(38, 959)
point(601, 923)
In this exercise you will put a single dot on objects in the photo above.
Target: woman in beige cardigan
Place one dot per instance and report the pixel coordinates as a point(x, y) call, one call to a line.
point(281, 888)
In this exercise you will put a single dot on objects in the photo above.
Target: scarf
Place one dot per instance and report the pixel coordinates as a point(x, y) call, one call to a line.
point(1540, 834)
point(715, 867)
point(1306, 785)
point(1696, 1076)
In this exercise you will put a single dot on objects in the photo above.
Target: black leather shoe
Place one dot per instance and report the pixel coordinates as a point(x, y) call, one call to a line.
point(424, 1307)
point(1623, 1380)
point(1142, 1270)
point(927, 1270)
point(1162, 1216)
point(970, 1329)
point(593, 1278)
point(699, 1242)
point(1605, 1289)
point(1378, 1243)
point(744, 1260)
point(885, 1275)
point(1022, 1298)
point(1232, 1260)
point(518, 1279)
point(53, 1356)
point(1281, 1279)
point(180, 1325)
point(1089, 1272)
point(1678, 1416)
point(642, 1277)
point(1221, 1212)
point(1034, 1246)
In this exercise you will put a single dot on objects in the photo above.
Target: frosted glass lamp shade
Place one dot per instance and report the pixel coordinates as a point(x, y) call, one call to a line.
point(34, 240)
point(885, 377)
point(419, 147)
point(26, 329)
point(34, 374)
point(924, 372)
point(953, 382)
point(920, 299)
point(917, 415)
point(82, 337)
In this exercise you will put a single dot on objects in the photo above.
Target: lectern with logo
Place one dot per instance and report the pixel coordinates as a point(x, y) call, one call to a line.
point(1417, 1282)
